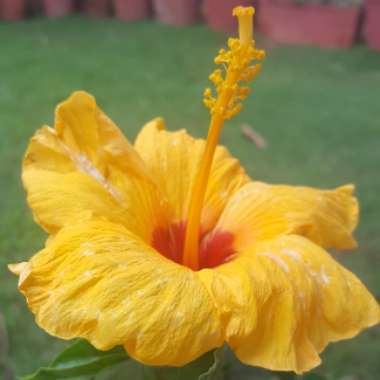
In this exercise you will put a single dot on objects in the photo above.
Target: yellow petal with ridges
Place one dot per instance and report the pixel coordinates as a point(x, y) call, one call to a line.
point(85, 167)
point(88, 133)
point(173, 160)
point(234, 296)
point(259, 211)
point(98, 281)
point(296, 301)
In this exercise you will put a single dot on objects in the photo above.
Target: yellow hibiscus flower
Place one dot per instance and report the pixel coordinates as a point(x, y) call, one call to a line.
point(168, 248)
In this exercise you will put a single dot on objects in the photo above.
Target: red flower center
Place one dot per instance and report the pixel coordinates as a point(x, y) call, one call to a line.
point(215, 248)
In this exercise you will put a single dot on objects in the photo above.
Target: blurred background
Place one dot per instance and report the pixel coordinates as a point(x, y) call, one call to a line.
point(313, 119)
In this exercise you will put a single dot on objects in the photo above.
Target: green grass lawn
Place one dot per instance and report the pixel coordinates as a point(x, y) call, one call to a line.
point(319, 110)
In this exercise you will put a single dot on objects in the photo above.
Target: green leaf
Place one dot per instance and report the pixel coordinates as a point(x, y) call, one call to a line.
point(312, 376)
point(207, 367)
point(129, 370)
point(81, 360)
point(216, 370)
point(78, 360)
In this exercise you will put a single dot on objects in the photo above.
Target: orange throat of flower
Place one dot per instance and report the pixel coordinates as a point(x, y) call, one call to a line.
point(214, 248)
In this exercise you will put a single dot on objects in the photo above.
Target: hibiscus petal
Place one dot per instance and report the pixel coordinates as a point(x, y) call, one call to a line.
point(98, 281)
point(173, 160)
point(259, 211)
point(292, 301)
point(85, 167)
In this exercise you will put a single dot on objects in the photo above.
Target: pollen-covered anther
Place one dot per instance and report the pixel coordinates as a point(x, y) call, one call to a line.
point(218, 60)
point(251, 72)
point(245, 62)
point(216, 77)
point(233, 111)
point(235, 67)
point(236, 62)
point(223, 57)
point(209, 103)
point(218, 110)
point(222, 53)
point(243, 92)
point(230, 89)
point(207, 92)
point(219, 89)
point(233, 43)
point(259, 54)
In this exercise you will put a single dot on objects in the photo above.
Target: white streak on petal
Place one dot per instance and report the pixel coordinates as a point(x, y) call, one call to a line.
point(87, 273)
point(291, 253)
point(325, 278)
point(280, 262)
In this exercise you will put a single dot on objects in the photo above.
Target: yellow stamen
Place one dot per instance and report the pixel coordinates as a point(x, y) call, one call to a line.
point(222, 107)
